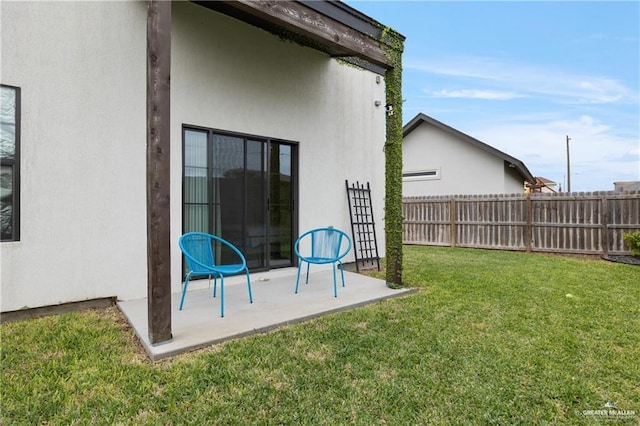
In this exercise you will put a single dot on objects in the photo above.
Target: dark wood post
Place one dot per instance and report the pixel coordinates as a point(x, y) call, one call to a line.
point(528, 227)
point(605, 236)
point(158, 165)
point(452, 221)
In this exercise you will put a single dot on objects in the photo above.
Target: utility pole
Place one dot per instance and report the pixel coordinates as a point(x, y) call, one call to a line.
point(568, 167)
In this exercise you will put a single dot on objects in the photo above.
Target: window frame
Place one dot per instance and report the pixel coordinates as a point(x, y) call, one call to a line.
point(15, 166)
point(424, 174)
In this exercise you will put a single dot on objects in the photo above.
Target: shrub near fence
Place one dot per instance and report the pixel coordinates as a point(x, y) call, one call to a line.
point(578, 223)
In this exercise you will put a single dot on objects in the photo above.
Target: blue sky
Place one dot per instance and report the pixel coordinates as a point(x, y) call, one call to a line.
point(521, 76)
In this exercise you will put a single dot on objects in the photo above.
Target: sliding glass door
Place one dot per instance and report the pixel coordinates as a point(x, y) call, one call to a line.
point(241, 188)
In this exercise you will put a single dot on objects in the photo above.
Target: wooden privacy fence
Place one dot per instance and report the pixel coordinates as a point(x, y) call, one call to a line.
point(578, 223)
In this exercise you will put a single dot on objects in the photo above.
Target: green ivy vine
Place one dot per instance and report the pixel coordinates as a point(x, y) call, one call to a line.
point(393, 44)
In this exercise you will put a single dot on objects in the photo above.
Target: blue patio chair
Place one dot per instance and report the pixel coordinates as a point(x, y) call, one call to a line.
point(324, 246)
point(198, 250)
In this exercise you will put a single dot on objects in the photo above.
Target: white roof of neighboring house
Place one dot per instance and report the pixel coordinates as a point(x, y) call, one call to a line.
point(422, 118)
point(547, 182)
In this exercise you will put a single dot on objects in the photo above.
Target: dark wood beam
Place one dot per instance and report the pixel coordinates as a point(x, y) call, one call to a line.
point(158, 166)
point(307, 25)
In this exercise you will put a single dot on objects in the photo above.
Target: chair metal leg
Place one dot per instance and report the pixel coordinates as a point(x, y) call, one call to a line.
point(335, 287)
point(308, 265)
point(222, 296)
point(342, 272)
point(215, 284)
point(184, 290)
point(298, 277)
point(249, 286)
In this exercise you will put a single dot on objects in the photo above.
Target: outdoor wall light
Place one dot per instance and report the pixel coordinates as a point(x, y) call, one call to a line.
point(389, 108)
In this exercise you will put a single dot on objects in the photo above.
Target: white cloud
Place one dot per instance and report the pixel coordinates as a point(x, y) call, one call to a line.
point(598, 157)
point(475, 94)
point(598, 113)
point(604, 37)
point(527, 80)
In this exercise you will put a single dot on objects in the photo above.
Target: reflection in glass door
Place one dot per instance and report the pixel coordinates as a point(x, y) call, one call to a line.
point(280, 205)
point(255, 214)
point(242, 189)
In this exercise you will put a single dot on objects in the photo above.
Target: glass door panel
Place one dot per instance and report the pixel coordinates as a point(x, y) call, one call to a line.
point(229, 189)
point(280, 208)
point(255, 248)
point(196, 189)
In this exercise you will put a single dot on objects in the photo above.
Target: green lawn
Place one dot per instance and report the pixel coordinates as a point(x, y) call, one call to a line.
point(491, 338)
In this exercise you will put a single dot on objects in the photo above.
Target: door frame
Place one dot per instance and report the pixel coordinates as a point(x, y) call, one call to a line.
point(294, 186)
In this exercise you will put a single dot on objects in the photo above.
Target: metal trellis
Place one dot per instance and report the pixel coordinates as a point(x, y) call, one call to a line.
point(363, 228)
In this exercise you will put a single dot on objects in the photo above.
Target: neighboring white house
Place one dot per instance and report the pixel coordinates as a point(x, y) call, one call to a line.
point(264, 133)
point(542, 185)
point(440, 160)
point(632, 185)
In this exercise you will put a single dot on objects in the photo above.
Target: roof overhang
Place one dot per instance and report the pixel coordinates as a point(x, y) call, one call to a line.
point(329, 26)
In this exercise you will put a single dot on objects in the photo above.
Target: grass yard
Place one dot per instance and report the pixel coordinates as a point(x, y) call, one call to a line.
point(491, 338)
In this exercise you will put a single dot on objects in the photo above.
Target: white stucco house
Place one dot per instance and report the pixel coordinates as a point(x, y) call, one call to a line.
point(627, 186)
point(440, 160)
point(264, 133)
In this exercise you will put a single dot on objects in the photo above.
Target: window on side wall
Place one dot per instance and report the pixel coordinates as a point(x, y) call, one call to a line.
point(9, 163)
point(428, 174)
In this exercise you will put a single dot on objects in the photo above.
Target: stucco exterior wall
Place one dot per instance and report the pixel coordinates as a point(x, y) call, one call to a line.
point(463, 168)
point(274, 88)
point(513, 183)
point(82, 70)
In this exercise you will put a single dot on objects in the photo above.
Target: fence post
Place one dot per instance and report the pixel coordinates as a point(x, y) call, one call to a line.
point(452, 220)
point(528, 232)
point(604, 237)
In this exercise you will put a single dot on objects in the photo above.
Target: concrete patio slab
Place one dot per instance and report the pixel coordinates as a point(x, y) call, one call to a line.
point(274, 305)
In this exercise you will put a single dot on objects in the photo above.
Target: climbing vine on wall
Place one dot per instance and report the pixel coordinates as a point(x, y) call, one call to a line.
point(393, 44)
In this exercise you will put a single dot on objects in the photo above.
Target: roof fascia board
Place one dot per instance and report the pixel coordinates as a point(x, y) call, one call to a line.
point(329, 31)
point(346, 15)
point(422, 118)
point(353, 18)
